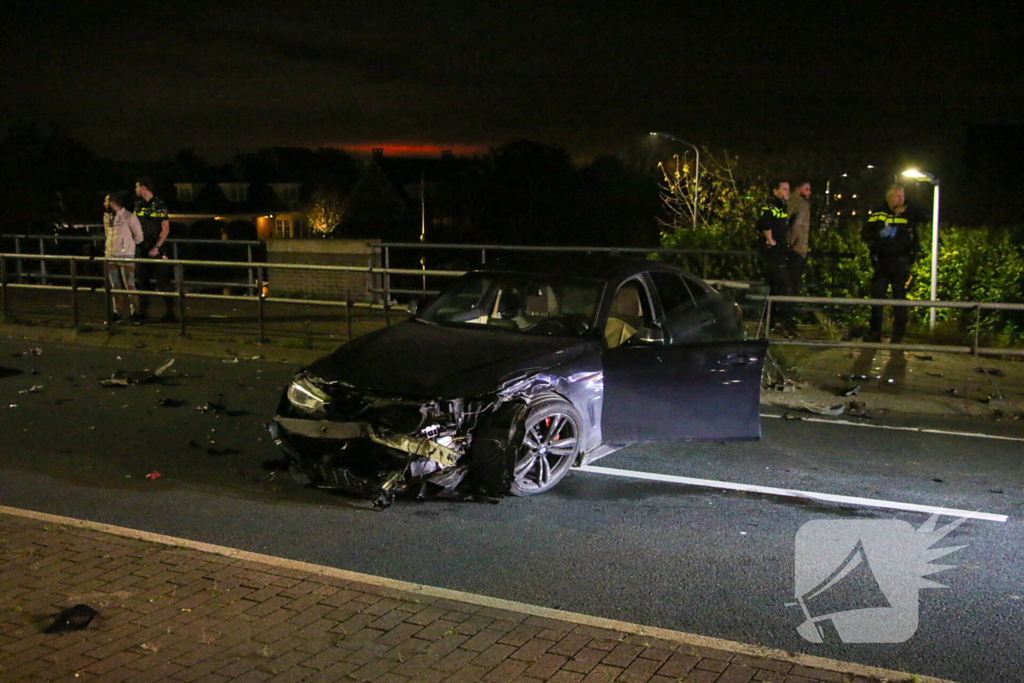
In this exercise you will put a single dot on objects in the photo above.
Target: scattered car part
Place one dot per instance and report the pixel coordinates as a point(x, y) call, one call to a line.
point(72, 619)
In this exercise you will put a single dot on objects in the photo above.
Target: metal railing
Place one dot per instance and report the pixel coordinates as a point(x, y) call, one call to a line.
point(44, 276)
point(261, 299)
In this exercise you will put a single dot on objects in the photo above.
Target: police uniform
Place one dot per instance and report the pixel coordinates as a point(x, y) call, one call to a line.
point(779, 260)
point(894, 244)
point(151, 215)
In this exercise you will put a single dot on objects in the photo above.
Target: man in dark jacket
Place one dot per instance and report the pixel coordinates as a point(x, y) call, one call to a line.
point(156, 225)
point(776, 251)
point(891, 235)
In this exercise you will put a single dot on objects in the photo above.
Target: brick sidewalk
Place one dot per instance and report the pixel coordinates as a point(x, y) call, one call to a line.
point(173, 610)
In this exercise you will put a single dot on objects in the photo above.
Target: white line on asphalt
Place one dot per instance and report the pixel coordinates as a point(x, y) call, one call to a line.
point(923, 430)
point(792, 493)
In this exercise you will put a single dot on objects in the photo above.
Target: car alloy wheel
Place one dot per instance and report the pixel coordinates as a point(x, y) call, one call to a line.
point(549, 448)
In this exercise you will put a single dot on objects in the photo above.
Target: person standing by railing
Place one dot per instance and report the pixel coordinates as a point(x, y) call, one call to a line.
point(778, 255)
point(156, 225)
point(890, 232)
point(125, 233)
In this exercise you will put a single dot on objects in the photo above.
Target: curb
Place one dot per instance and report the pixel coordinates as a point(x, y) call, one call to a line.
point(483, 600)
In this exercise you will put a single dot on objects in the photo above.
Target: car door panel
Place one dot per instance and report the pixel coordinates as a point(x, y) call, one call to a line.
point(682, 392)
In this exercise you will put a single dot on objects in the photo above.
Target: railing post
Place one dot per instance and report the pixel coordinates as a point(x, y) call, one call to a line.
point(768, 317)
point(179, 276)
point(248, 256)
point(387, 275)
point(42, 261)
point(3, 287)
point(107, 298)
point(387, 303)
point(977, 328)
point(260, 303)
point(174, 250)
point(348, 310)
point(74, 292)
point(483, 256)
point(17, 262)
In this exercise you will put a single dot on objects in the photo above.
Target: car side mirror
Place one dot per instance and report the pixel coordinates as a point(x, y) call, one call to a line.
point(649, 335)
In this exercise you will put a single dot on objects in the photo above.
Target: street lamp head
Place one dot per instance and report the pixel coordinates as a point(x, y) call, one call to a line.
point(916, 174)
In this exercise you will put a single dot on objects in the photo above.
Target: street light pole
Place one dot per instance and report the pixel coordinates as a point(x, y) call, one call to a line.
point(922, 176)
point(696, 173)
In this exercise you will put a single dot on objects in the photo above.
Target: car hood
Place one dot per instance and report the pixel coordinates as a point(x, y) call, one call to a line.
point(417, 359)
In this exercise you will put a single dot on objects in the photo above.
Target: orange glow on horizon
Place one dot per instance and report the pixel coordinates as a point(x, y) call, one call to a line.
point(414, 149)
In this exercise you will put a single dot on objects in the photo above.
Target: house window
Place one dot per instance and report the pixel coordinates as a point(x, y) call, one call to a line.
point(297, 226)
point(235, 192)
point(284, 228)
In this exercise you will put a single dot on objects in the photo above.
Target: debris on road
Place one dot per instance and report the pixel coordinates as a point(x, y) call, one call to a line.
point(126, 379)
point(9, 372)
point(34, 389)
point(223, 451)
point(31, 352)
point(852, 391)
point(924, 357)
point(993, 372)
point(838, 409)
point(72, 619)
point(171, 402)
point(154, 475)
point(858, 409)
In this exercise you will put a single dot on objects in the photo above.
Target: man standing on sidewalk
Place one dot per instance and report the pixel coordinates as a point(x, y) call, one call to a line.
point(156, 225)
point(799, 206)
point(776, 251)
point(891, 235)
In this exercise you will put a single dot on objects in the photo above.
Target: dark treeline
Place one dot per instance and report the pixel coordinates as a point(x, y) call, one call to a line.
point(521, 193)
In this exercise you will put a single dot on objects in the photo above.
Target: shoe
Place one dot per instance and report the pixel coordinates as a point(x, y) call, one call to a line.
point(169, 317)
point(896, 339)
point(873, 337)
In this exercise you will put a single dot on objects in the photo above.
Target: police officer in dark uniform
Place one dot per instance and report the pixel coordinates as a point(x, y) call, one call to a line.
point(776, 251)
point(890, 232)
point(156, 225)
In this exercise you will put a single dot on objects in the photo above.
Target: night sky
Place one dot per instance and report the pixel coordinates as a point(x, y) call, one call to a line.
point(144, 79)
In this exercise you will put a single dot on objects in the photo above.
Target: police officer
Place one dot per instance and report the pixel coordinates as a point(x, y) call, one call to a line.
point(776, 251)
point(892, 238)
point(156, 225)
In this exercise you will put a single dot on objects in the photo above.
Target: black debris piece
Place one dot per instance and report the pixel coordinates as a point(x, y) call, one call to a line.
point(9, 372)
point(852, 391)
point(934, 374)
point(993, 372)
point(171, 402)
point(937, 480)
point(72, 619)
point(222, 451)
point(924, 357)
point(858, 409)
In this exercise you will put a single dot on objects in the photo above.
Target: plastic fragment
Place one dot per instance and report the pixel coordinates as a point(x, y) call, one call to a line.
point(154, 475)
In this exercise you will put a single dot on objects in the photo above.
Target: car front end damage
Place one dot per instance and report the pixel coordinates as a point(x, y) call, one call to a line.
point(376, 446)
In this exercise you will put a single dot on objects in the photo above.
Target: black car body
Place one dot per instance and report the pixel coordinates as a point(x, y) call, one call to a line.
point(512, 375)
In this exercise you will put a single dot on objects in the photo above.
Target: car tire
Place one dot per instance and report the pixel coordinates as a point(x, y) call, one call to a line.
point(548, 448)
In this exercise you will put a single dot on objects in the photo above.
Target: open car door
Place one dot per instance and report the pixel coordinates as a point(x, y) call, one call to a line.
point(688, 391)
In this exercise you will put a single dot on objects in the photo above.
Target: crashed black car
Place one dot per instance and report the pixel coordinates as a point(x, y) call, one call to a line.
point(510, 376)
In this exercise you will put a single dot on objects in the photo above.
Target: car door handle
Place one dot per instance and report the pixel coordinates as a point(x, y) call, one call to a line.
point(738, 359)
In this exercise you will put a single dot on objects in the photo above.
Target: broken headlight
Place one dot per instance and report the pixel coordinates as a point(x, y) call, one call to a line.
point(305, 396)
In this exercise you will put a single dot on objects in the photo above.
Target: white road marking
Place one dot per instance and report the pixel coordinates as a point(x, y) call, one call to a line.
point(793, 493)
point(923, 430)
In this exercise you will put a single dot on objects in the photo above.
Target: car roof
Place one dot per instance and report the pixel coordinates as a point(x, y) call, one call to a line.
point(602, 267)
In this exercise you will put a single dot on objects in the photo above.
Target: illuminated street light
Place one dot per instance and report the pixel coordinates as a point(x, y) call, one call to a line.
point(696, 174)
point(922, 176)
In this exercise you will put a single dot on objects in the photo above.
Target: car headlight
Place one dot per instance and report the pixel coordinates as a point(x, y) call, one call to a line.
point(305, 396)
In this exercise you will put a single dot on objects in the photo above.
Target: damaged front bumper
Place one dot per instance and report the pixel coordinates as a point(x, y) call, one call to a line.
point(362, 459)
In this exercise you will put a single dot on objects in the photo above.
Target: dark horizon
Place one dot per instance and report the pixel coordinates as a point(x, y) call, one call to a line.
point(146, 83)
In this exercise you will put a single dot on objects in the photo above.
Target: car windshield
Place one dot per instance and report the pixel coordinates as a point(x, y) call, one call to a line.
point(524, 304)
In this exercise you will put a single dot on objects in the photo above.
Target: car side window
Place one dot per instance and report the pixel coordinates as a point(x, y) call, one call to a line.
point(628, 313)
point(684, 319)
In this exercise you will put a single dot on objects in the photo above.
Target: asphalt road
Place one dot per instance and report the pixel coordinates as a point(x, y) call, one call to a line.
point(696, 559)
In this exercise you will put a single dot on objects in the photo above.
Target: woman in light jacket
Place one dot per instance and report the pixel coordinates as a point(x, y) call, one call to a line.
point(125, 234)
